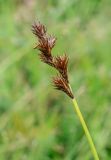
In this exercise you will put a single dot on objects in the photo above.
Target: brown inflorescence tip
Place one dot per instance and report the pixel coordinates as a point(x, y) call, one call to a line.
point(39, 29)
point(60, 63)
point(46, 43)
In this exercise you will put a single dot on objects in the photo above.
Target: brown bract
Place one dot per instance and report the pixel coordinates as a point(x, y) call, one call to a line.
point(60, 63)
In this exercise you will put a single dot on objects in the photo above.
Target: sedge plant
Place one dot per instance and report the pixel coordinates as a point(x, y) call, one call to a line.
point(61, 81)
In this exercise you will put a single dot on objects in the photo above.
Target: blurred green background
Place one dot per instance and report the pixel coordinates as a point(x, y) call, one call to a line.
point(36, 121)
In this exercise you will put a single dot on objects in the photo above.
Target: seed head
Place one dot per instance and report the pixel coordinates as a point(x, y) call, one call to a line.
point(60, 63)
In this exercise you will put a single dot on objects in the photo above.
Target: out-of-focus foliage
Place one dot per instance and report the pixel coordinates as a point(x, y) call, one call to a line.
point(37, 122)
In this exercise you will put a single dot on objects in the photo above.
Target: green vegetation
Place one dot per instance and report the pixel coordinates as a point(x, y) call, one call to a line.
point(36, 121)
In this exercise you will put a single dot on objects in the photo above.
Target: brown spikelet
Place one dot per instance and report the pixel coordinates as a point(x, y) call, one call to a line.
point(61, 63)
point(61, 84)
point(46, 44)
point(39, 29)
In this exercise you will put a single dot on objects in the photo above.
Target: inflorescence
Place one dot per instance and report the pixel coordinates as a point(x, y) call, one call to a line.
point(60, 63)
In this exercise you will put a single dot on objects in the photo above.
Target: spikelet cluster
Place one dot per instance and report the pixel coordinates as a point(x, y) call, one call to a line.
point(60, 63)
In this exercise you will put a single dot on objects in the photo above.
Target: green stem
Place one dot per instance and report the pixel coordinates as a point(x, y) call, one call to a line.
point(93, 149)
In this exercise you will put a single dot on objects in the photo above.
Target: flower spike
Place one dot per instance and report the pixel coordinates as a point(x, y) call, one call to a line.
point(60, 63)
